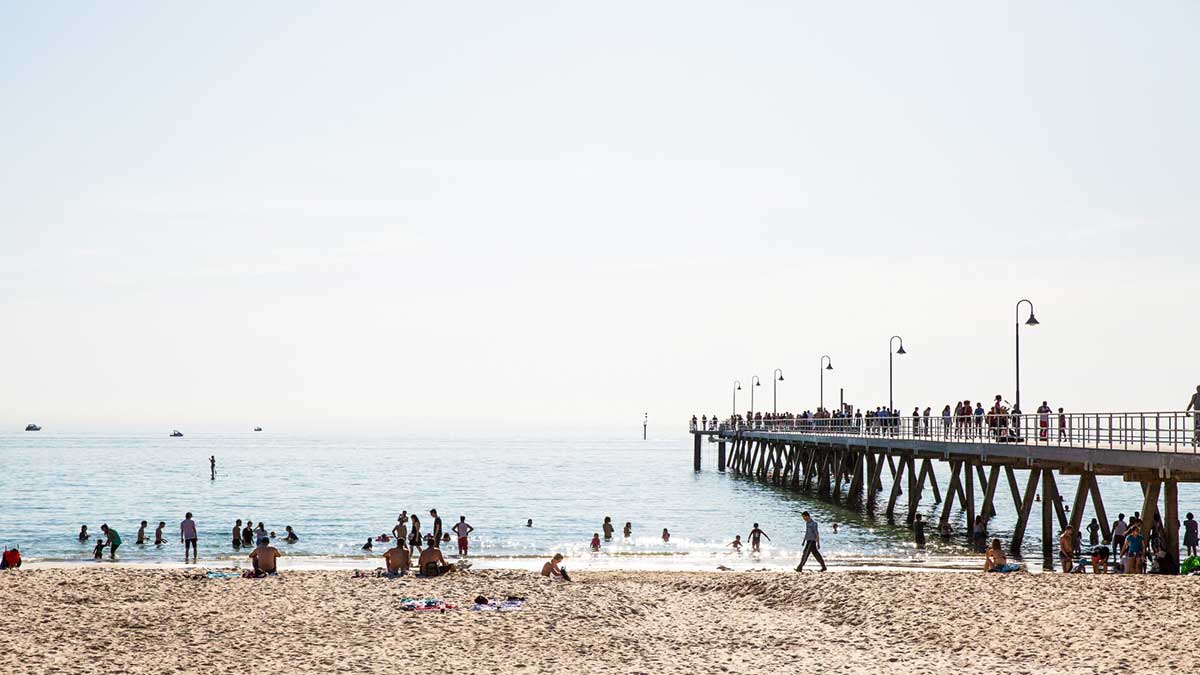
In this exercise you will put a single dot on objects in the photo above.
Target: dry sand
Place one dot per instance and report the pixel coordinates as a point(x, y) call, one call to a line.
point(112, 620)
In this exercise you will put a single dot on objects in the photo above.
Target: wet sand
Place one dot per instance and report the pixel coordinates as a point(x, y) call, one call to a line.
point(106, 620)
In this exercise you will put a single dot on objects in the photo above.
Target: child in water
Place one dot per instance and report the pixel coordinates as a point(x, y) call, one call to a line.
point(596, 541)
point(98, 552)
point(737, 543)
point(666, 536)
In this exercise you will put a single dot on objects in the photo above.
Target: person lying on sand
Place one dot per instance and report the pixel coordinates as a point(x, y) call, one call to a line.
point(431, 563)
point(397, 559)
point(995, 557)
point(553, 571)
point(265, 557)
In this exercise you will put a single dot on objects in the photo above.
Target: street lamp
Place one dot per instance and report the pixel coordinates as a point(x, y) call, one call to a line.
point(754, 382)
point(778, 375)
point(1031, 321)
point(737, 386)
point(891, 404)
point(822, 370)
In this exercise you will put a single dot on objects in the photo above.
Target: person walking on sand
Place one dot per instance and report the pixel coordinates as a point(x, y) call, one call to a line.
point(1194, 406)
point(607, 528)
point(212, 466)
point(187, 533)
point(112, 541)
point(462, 529)
point(755, 538)
point(812, 542)
point(1191, 535)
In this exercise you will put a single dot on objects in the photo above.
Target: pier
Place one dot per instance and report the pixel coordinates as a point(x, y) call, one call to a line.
point(846, 461)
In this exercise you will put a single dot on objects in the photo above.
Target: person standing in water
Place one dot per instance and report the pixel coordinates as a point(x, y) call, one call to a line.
point(608, 528)
point(248, 533)
point(1191, 535)
point(755, 538)
point(666, 536)
point(237, 534)
point(812, 542)
point(919, 531)
point(141, 535)
point(113, 541)
point(462, 529)
point(212, 466)
point(187, 532)
point(437, 528)
point(159, 537)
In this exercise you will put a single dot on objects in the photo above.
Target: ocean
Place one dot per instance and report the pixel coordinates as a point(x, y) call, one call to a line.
point(338, 491)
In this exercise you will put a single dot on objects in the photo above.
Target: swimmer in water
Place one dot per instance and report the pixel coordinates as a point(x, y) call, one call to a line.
point(141, 535)
point(159, 539)
point(628, 529)
point(84, 536)
point(737, 543)
point(367, 546)
point(596, 541)
point(607, 528)
point(529, 523)
point(756, 536)
point(666, 536)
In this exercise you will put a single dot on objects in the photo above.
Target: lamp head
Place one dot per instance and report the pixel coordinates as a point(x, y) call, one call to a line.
point(1032, 320)
point(781, 377)
point(739, 387)
point(901, 350)
point(830, 366)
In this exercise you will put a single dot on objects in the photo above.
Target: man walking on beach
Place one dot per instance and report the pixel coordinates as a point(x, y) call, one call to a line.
point(187, 533)
point(437, 528)
point(812, 542)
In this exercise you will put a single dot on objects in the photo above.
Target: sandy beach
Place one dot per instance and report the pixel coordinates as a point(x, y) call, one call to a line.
point(106, 620)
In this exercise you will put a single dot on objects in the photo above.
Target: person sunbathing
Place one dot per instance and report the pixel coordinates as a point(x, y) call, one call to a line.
point(397, 559)
point(995, 559)
point(553, 571)
point(431, 563)
point(265, 558)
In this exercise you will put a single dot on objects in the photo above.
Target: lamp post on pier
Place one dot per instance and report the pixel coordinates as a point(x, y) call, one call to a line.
point(778, 377)
point(891, 403)
point(737, 386)
point(824, 368)
point(754, 382)
point(1031, 321)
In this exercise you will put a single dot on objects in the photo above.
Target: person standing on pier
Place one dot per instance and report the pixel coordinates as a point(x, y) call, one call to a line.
point(1194, 406)
point(812, 542)
point(1043, 412)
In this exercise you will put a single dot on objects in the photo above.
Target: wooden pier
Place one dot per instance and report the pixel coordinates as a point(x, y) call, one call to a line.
point(846, 462)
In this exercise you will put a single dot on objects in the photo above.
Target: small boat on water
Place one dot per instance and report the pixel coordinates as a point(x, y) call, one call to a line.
point(176, 434)
point(258, 428)
point(32, 427)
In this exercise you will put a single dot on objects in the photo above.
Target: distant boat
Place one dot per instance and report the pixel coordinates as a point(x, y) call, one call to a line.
point(258, 428)
point(32, 427)
point(176, 434)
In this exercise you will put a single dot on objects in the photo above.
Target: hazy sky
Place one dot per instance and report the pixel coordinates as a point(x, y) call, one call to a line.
point(439, 216)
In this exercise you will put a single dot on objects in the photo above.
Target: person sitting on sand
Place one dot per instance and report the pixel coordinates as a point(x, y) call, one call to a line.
point(737, 543)
point(141, 535)
point(114, 540)
point(553, 571)
point(10, 559)
point(397, 559)
point(431, 563)
point(159, 539)
point(995, 558)
point(367, 546)
point(264, 558)
point(596, 542)
point(666, 536)
point(291, 537)
point(83, 533)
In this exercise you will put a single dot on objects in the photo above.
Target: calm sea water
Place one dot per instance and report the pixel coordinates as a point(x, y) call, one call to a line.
point(338, 491)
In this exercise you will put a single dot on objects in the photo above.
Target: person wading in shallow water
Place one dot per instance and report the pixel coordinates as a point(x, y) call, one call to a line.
point(812, 543)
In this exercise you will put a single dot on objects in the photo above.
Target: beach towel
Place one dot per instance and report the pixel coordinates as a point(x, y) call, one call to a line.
point(1006, 568)
point(505, 606)
point(424, 604)
point(218, 574)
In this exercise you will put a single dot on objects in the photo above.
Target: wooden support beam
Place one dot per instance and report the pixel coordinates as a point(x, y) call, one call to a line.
point(891, 465)
point(891, 505)
point(1012, 486)
point(1024, 510)
point(989, 495)
point(1049, 497)
point(854, 494)
point(1149, 506)
point(969, 500)
point(1056, 502)
point(951, 490)
point(721, 455)
point(1171, 520)
point(914, 490)
point(937, 493)
point(696, 457)
point(1080, 501)
point(876, 480)
point(1098, 507)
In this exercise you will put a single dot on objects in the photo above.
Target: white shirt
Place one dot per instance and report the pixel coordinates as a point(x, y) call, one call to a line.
point(461, 529)
point(1119, 529)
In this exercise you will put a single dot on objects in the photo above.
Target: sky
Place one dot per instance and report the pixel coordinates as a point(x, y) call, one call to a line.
point(481, 216)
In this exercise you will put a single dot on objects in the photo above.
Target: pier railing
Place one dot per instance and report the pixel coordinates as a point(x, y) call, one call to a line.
point(1169, 431)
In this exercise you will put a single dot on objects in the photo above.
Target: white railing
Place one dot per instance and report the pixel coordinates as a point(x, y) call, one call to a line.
point(1170, 431)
